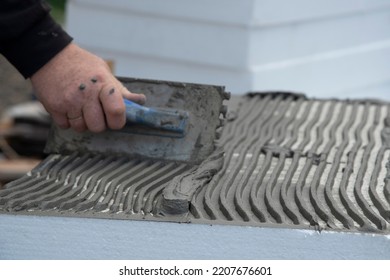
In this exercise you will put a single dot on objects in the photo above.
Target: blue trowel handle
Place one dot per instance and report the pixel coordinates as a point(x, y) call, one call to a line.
point(160, 118)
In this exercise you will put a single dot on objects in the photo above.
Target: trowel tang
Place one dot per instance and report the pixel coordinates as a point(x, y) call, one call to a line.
point(171, 120)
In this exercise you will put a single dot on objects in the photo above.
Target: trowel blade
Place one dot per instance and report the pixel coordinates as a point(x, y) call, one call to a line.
point(204, 104)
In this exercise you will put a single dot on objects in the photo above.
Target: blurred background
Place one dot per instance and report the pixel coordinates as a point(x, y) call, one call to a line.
point(323, 48)
point(23, 124)
point(14, 89)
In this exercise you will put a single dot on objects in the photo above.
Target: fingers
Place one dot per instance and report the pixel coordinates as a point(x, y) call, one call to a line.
point(60, 120)
point(136, 97)
point(66, 121)
point(76, 120)
point(94, 116)
point(78, 123)
point(113, 106)
point(95, 105)
point(111, 97)
point(91, 108)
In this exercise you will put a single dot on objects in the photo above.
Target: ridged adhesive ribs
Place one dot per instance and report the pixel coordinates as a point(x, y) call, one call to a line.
point(287, 161)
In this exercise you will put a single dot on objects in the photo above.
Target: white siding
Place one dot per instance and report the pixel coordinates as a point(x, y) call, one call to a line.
point(323, 48)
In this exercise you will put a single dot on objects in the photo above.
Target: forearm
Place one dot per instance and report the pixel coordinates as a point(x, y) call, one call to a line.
point(29, 37)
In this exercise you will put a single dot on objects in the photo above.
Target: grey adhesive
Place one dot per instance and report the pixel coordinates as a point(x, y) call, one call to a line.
point(286, 162)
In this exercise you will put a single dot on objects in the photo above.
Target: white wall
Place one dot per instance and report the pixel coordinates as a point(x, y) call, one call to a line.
point(323, 48)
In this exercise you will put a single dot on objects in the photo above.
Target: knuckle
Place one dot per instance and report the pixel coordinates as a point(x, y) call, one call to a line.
point(98, 77)
point(102, 72)
point(68, 100)
point(117, 111)
point(104, 89)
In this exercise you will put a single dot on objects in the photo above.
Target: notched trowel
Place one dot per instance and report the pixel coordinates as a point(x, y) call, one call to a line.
point(180, 122)
point(156, 121)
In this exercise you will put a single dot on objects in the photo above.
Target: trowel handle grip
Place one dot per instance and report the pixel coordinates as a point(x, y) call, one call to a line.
point(166, 119)
point(134, 111)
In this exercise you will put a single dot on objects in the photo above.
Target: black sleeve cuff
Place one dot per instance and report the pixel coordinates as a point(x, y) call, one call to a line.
point(28, 53)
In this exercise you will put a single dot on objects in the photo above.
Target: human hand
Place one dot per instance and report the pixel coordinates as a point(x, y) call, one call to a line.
point(79, 91)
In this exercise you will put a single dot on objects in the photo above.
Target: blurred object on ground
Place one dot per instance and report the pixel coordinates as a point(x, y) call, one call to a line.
point(13, 169)
point(14, 89)
point(24, 129)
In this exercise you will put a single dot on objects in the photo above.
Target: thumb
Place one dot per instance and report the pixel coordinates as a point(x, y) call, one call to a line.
point(135, 97)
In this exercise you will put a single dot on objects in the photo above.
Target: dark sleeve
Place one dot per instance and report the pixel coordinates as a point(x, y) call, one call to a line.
point(29, 37)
